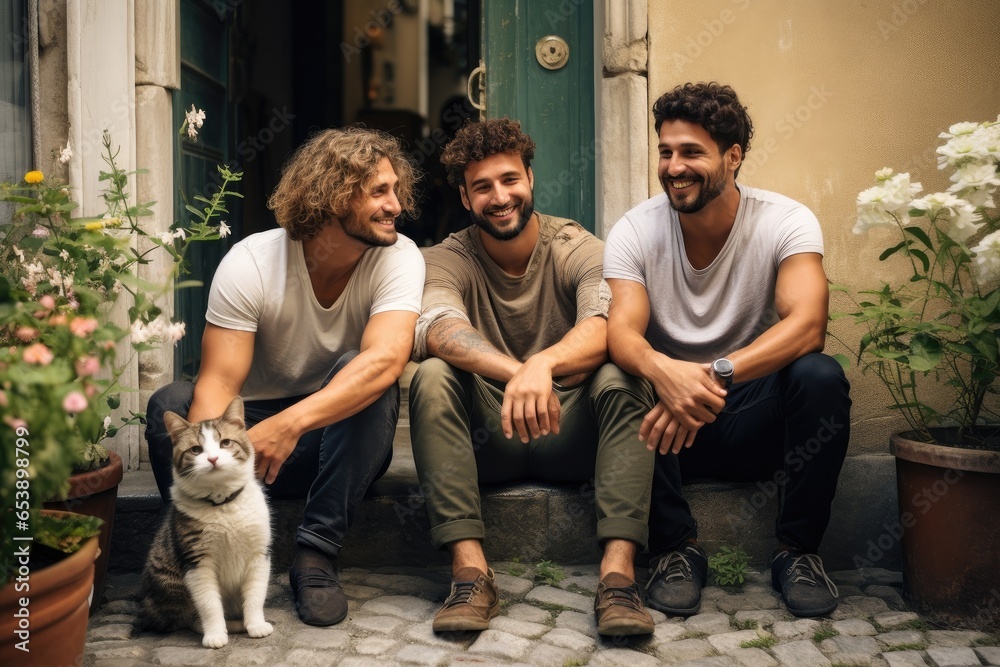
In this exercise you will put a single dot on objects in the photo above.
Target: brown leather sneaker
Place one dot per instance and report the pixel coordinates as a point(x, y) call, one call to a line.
point(619, 609)
point(474, 600)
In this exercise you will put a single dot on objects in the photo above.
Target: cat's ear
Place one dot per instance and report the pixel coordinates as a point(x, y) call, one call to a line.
point(175, 424)
point(234, 413)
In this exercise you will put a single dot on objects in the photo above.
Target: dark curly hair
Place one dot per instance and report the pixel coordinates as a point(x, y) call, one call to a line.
point(478, 141)
point(325, 176)
point(713, 106)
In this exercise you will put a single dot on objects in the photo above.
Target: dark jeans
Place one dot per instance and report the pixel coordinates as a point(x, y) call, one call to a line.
point(336, 464)
point(790, 428)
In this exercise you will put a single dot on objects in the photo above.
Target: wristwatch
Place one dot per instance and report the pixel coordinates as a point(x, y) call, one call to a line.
point(723, 369)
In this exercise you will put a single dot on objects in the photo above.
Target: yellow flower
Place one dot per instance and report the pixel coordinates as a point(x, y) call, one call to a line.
point(94, 226)
point(33, 177)
point(112, 222)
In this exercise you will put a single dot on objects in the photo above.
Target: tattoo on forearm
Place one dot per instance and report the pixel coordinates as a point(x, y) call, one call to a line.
point(458, 339)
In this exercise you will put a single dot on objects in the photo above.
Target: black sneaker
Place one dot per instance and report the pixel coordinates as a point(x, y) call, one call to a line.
point(319, 599)
point(803, 583)
point(675, 582)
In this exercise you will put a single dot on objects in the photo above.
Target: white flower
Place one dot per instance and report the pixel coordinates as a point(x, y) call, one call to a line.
point(883, 174)
point(40, 232)
point(155, 329)
point(140, 334)
point(64, 255)
point(976, 183)
point(117, 287)
point(958, 129)
point(174, 332)
point(180, 234)
point(886, 203)
point(167, 238)
point(194, 119)
point(224, 229)
point(988, 257)
point(107, 423)
point(19, 254)
point(65, 154)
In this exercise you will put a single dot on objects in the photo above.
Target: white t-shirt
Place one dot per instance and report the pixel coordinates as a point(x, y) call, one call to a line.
point(262, 285)
point(703, 314)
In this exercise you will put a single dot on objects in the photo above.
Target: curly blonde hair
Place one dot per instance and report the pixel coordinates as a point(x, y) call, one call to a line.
point(329, 172)
point(478, 141)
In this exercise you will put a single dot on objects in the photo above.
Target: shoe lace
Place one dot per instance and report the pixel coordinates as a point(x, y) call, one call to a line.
point(627, 596)
point(808, 569)
point(462, 592)
point(675, 565)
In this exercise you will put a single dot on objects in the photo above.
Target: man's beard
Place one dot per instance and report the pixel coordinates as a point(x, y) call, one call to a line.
point(354, 227)
point(709, 189)
point(525, 210)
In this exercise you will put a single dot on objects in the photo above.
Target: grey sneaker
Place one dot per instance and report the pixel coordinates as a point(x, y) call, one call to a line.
point(675, 582)
point(803, 584)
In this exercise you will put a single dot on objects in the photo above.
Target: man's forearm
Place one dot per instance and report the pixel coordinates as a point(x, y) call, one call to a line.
point(777, 347)
point(581, 351)
point(459, 344)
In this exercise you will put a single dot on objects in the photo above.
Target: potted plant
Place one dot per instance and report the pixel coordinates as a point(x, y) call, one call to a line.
point(932, 339)
point(61, 280)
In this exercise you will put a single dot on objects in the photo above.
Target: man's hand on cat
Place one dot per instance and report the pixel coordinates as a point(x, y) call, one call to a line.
point(272, 445)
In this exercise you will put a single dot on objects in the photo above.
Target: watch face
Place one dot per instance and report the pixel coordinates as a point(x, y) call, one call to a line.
point(723, 367)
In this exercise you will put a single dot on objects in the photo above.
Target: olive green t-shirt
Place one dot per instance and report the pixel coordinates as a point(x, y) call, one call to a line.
point(519, 315)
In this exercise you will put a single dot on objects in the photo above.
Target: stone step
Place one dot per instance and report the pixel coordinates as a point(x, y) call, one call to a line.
point(534, 521)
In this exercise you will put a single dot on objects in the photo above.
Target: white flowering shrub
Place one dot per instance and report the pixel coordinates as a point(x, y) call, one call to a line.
point(942, 321)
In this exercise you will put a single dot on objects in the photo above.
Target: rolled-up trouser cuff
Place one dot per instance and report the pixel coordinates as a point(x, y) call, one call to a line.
point(622, 528)
point(460, 529)
point(307, 538)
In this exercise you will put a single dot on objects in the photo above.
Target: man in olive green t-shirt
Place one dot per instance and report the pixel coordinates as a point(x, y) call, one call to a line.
point(515, 384)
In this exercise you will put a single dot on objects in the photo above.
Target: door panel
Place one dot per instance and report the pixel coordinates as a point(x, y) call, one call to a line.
point(555, 107)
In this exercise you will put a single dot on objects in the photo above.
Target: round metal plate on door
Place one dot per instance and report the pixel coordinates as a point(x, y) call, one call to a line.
point(552, 52)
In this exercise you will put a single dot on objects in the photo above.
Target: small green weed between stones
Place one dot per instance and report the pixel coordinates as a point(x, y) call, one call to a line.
point(989, 640)
point(729, 566)
point(515, 569)
point(760, 642)
point(824, 633)
point(550, 607)
point(574, 588)
point(746, 624)
point(691, 634)
point(548, 572)
point(905, 647)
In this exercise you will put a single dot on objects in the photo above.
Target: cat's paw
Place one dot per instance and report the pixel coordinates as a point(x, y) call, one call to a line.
point(262, 629)
point(215, 640)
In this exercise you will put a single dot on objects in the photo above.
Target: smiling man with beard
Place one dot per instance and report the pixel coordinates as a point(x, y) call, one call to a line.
point(515, 383)
point(720, 303)
point(312, 324)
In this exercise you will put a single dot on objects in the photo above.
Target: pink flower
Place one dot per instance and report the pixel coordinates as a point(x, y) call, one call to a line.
point(83, 326)
point(90, 390)
point(15, 422)
point(47, 302)
point(87, 366)
point(37, 354)
point(25, 334)
point(74, 402)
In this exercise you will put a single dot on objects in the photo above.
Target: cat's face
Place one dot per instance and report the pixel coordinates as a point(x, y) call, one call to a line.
point(216, 449)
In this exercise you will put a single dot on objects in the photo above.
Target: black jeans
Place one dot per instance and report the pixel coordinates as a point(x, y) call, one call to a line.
point(336, 464)
point(790, 428)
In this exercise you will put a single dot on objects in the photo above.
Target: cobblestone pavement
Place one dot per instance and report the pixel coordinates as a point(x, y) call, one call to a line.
point(545, 625)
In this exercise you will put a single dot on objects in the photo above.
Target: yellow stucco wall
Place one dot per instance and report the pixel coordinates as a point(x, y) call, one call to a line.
point(836, 90)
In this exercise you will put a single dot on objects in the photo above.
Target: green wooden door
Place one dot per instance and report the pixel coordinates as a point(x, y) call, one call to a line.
point(555, 106)
point(205, 83)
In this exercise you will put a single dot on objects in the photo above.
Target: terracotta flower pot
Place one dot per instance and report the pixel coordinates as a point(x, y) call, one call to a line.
point(54, 621)
point(949, 501)
point(95, 493)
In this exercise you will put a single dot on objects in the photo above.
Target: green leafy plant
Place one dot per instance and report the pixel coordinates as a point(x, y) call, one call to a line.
point(67, 287)
point(548, 572)
point(516, 569)
point(729, 566)
point(767, 641)
point(940, 324)
point(825, 632)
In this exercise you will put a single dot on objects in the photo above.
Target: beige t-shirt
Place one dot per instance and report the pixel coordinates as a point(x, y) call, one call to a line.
point(519, 315)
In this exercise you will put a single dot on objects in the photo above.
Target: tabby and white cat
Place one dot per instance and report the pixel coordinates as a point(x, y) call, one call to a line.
point(210, 559)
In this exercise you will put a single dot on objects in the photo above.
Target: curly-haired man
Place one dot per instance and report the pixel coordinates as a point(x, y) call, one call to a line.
point(516, 386)
point(720, 303)
point(312, 324)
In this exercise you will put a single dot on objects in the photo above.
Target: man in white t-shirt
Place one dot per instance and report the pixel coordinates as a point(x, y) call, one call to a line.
point(312, 324)
point(720, 302)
